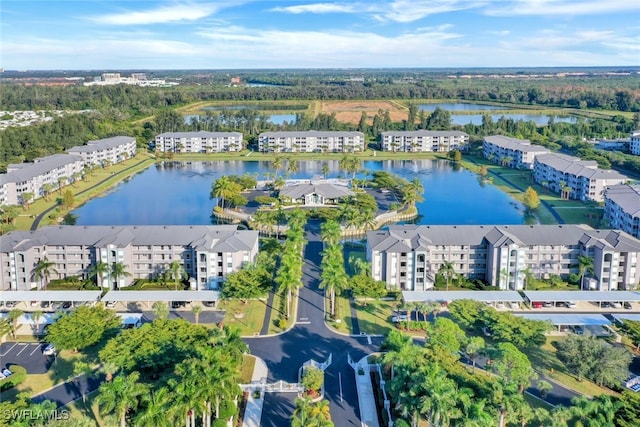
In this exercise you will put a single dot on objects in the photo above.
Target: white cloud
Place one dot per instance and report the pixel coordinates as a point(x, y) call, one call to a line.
point(414, 10)
point(560, 7)
point(499, 33)
point(174, 13)
point(317, 8)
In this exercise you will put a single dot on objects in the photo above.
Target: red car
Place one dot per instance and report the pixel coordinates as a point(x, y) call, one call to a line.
point(537, 304)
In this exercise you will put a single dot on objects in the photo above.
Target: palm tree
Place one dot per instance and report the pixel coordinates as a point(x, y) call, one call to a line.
point(13, 316)
point(62, 181)
point(276, 164)
point(46, 190)
point(325, 170)
point(160, 309)
point(98, 271)
point(26, 198)
point(118, 271)
point(448, 272)
point(121, 395)
point(82, 369)
point(43, 270)
point(158, 411)
point(196, 310)
point(331, 232)
point(301, 415)
point(36, 316)
point(223, 189)
point(176, 273)
point(585, 265)
point(476, 415)
point(474, 348)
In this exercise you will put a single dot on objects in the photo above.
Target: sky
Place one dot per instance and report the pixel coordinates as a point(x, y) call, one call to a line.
point(240, 34)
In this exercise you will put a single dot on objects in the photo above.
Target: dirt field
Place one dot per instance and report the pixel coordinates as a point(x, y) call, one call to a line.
point(350, 111)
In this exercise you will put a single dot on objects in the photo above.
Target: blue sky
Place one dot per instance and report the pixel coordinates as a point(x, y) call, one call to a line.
point(223, 34)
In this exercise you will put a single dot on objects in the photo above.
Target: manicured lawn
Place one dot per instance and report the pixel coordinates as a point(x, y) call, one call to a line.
point(343, 313)
point(247, 318)
point(545, 360)
point(375, 317)
point(246, 373)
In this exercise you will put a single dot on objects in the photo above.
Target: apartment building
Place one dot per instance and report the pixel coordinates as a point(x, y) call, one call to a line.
point(622, 208)
point(408, 257)
point(106, 151)
point(207, 253)
point(634, 143)
point(579, 179)
point(423, 140)
point(311, 142)
point(199, 142)
point(56, 170)
point(511, 152)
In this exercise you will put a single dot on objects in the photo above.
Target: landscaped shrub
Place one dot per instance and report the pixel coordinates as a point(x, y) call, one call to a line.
point(18, 376)
point(411, 325)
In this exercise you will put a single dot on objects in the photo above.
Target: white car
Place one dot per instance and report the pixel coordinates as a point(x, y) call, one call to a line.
point(616, 304)
point(570, 304)
point(514, 305)
point(49, 350)
point(399, 318)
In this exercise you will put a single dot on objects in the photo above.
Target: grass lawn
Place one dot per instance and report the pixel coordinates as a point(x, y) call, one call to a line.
point(343, 313)
point(375, 317)
point(280, 310)
point(89, 409)
point(545, 360)
point(246, 372)
point(247, 318)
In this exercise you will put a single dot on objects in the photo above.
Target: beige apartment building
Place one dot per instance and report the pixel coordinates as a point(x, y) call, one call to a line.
point(311, 142)
point(207, 253)
point(106, 151)
point(199, 142)
point(423, 141)
point(511, 152)
point(622, 208)
point(581, 179)
point(408, 257)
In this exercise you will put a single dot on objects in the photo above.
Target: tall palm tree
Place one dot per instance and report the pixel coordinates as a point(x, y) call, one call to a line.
point(325, 170)
point(160, 309)
point(301, 414)
point(196, 310)
point(36, 316)
point(43, 270)
point(448, 272)
point(222, 189)
point(119, 271)
point(25, 199)
point(585, 265)
point(331, 232)
point(176, 273)
point(98, 271)
point(276, 164)
point(121, 395)
point(158, 410)
point(46, 190)
point(13, 316)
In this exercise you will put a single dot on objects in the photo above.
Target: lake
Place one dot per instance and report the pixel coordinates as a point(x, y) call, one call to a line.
point(459, 107)
point(175, 193)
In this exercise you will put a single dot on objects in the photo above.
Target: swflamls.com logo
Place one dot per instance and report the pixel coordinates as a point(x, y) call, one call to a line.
point(33, 414)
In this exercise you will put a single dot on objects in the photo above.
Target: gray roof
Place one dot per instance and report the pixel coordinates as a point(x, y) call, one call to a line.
point(575, 166)
point(200, 134)
point(485, 296)
point(404, 238)
point(50, 295)
point(568, 319)
point(102, 144)
point(592, 296)
point(424, 132)
point(514, 143)
point(626, 196)
point(213, 238)
point(25, 171)
point(148, 296)
point(308, 133)
point(325, 189)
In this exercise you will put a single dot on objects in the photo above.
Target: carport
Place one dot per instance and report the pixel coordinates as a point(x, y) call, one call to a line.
point(592, 322)
point(50, 296)
point(149, 297)
point(447, 296)
point(597, 297)
point(619, 317)
point(131, 320)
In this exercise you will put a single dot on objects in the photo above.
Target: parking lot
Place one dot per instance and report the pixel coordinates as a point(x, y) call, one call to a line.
point(28, 355)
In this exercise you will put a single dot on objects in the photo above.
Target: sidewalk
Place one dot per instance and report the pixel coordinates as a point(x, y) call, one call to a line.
point(253, 411)
point(366, 400)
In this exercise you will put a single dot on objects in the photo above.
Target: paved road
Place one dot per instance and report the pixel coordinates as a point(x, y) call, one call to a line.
point(27, 355)
point(311, 339)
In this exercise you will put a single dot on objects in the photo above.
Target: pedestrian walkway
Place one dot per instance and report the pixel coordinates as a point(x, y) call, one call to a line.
point(253, 410)
point(366, 399)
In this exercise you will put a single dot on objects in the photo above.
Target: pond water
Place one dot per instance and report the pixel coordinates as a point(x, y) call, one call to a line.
point(459, 107)
point(178, 193)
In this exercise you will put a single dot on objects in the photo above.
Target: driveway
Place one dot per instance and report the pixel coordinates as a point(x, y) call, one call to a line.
point(28, 355)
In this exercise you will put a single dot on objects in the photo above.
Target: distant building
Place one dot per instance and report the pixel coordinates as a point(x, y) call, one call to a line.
point(311, 142)
point(315, 193)
point(582, 179)
point(56, 170)
point(511, 152)
point(423, 140)
point(112, 150)
point(622, 208)
point(408, 257)
point(634, 143)
point(199, 142)
point(207, 253)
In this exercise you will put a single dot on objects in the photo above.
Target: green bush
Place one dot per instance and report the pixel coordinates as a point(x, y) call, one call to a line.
point(19, 375)
point(281, 323)
point(265, 200)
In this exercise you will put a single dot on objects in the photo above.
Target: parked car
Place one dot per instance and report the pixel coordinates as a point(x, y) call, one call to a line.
point(605, 305)
point(49, 350)
point(578, 330)
point(10, 304)
point(56, 305)
point(616, 304)
point(627, 305)
point(399, 318)
point(110, 304)
point(536, 304)
point(209, 303)
point(34, 303)
point(178, 304)
point(570, 304)
point(67, 304)
point(6, 372)
point(548, 304)
point(45, 304)
point(514, 305)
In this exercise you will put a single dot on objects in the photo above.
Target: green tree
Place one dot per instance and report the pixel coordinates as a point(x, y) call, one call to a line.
point(158, 410)
point(83, 327)
point(122, 394)
point(448, 272)
point(118, 271)
point(43, 270)
point(68, 200)
point(513, 367)
point(474, 348)
point(26, 198)
point(196, 310)
point(312, 379)
point(530, 199)
point(365, 287)
point(585, 265)
point(331, 232)
point(13, 316)
point(99, 271)
point(47, 189)
point(160, 309)
point(176, 273)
